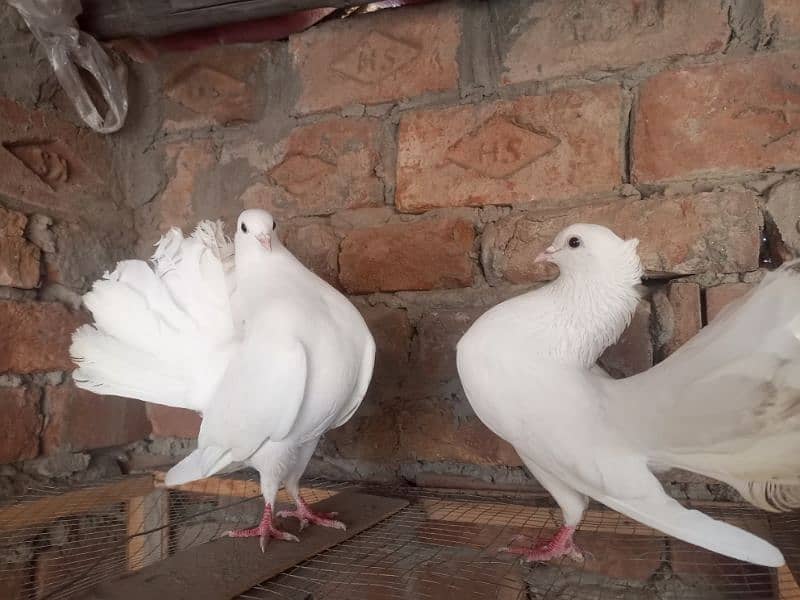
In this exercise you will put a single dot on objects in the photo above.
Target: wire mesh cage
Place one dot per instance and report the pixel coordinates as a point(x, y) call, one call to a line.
point(61, 543)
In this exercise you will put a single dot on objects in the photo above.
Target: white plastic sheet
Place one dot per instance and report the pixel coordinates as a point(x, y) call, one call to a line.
point(52, 22)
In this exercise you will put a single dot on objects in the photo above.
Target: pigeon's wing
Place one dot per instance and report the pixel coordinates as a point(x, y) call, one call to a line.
point(161, 333)
point(727, 404)
point(260, 396)
point(578, 443)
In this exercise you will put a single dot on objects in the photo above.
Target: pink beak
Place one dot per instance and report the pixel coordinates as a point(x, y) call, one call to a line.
point(265, 242)
point(545, 256)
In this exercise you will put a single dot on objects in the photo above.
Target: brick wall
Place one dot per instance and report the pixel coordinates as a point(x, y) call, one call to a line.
point(419, 159)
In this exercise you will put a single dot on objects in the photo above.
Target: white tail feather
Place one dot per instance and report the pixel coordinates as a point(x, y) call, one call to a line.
point(203, 462)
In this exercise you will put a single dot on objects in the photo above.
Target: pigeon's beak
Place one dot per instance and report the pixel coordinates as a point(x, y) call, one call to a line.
point(545, 256)
point(265, 241)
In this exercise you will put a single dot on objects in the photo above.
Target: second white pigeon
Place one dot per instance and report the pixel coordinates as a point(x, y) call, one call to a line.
point(271, 355)
point(725, 405)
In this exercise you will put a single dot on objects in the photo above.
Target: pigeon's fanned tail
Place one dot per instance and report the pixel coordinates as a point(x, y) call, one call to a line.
point(161, 334)
point(203, 462)
point(667, 515)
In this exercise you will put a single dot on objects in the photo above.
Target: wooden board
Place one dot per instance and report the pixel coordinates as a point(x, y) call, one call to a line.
point(227, 567)
point(107, 19)
point(73, 502)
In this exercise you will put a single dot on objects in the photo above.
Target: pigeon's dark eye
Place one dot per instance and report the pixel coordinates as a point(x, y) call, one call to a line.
point(574, 242)
point(244, 228)
point(274, 225)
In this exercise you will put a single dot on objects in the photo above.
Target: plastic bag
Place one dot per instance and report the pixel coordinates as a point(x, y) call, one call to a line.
point(52, 22)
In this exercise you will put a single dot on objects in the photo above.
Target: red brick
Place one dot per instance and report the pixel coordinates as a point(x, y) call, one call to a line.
point(186, 163)
point(368, 436)
point(633, 353)
point(411, 256)
point(377, 58)
point(322, 168)
point(431, 430)
point(78, 420)
point(392, 332)
point(167, 421)
point(565, 38)
point(718, 297)
point(216, 85)
point(782, 17)
point(19, 259)
point(680, 235)
point(36, 336)
point(20, 423)
point(719, 119)
point(679, 316)
point(51, 166)
point(543, 149)
point(317, 247)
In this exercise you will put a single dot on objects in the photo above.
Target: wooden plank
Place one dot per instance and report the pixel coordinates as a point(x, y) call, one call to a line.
point(108, 19)
point(227, 567)
point(148, 529)
point(787, 586)
point(41, 510)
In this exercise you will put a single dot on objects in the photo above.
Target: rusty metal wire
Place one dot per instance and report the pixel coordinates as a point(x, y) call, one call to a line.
point(446, 544)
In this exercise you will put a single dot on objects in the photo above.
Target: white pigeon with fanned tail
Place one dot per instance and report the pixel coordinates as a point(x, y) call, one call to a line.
point(270, 354)
point(726, 405)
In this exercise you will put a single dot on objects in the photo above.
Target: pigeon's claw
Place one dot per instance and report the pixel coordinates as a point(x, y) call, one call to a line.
point(561, 544)
point(265, 531)
point(305, 515)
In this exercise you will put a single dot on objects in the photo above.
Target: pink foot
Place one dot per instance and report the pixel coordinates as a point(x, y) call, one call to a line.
point(559, 545)
point(305, 515)
point(265, 531)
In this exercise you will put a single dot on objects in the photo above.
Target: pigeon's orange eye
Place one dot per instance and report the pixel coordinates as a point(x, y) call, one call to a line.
point(574, 242)
point(244, 228)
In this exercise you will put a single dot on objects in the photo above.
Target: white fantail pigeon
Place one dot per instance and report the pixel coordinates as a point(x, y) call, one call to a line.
point(269, 353)
point(726, 405)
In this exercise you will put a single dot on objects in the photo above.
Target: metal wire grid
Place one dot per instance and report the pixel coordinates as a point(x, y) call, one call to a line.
point(444, 545)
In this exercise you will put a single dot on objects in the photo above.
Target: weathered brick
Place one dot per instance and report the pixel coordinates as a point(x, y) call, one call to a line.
point(186, 163)
point(718, 574)
point(783, 207)
point(317, 247)
point(167, 421)
point(556, 37)
point(19, 259)
point(36, 336)
point(78, 420)
point(680, 235)
point(782, 18)
point(377, 58)
point(320, 169)
point(20, 423)
point(51, 166)
point(432, 430)
point(368, 436)
point(678, 315)
point(411, 256)
point(548, 150)
point(215, 85)
point(719, 296)
point(731, 117)
point(392, 332)
point(633, 353)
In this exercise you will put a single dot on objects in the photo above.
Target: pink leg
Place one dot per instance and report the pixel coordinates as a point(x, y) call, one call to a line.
point(560, 544)
point(305, 515)
point(265, 531)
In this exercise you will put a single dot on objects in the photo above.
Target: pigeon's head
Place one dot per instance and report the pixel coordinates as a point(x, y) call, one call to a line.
point(593, 249)
point(256, 227)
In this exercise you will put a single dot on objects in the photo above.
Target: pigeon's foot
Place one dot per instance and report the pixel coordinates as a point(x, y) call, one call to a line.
point(305, 515)
point(265, 531)
point(559, 545)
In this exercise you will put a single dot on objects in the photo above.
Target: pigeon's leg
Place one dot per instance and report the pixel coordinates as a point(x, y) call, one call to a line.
point(265, 530)
point(302, 510)
point(572, 504)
